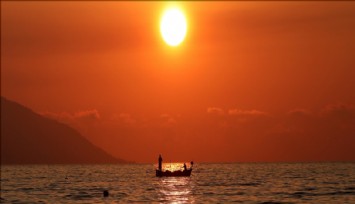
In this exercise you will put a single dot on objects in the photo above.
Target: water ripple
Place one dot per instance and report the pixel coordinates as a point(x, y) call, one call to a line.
point(245, 183)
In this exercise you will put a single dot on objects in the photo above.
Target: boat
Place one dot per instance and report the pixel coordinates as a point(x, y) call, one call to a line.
point(167, 173)
point(178, 173)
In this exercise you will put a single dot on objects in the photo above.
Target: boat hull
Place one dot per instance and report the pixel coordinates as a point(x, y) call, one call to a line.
point(185, 173)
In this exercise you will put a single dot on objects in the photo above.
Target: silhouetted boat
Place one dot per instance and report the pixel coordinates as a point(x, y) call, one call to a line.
point(160, 173)
point(168, 173)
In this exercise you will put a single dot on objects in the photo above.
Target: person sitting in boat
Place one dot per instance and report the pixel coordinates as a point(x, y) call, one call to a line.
point(185, 168)
point(160, 162)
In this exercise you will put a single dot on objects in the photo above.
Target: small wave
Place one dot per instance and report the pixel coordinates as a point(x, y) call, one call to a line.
point(80, 196)
point(293, 176)
point(52, 185)
point(338, 193)
point(330, 182)
point(249, 184)
point(26, 189)
point(350, 188)
point(214, 184)
point(120, 195)
point(234, 193)
point(15, 201)
point(310, 188)
point(300, 194)
point(96, 189)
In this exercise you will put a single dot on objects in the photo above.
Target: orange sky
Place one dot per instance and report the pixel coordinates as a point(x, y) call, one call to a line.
point(253, 81)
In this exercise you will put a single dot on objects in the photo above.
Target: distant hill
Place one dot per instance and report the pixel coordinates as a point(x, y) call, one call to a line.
point(29, 138)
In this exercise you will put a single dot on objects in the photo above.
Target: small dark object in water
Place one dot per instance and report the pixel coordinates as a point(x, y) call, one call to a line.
point(106, 193)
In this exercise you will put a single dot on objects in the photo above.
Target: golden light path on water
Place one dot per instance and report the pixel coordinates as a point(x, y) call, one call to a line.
point(176, 189)
point(174, 166)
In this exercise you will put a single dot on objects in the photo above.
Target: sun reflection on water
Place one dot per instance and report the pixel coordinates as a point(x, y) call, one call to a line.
point(174, 166)
point(175, 189)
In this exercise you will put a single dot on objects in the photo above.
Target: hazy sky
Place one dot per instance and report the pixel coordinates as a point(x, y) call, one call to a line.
point(253, 81)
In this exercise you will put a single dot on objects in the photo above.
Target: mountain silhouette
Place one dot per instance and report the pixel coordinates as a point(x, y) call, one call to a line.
point(29, 138)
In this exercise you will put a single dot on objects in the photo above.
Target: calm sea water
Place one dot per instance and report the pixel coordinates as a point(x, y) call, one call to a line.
point(217, 183)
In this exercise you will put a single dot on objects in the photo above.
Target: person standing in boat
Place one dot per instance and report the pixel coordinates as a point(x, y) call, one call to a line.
point(160, 162)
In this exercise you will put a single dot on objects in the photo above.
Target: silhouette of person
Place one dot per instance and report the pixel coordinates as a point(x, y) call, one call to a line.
point(185, 167)
point(160, 162)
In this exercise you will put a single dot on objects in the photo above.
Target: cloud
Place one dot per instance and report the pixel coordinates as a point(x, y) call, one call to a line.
point(239, 112)
point(88, 115)
point(339, 116)
point(63, 116)
point(299, 117)
point(235, 117)
point(84, 116)
point(299, 112)
point(241, 134)
point(341, 111)
point(215, 110)
point(235, 112)
point(167, 120)
point(127, 118)
point(83, 120)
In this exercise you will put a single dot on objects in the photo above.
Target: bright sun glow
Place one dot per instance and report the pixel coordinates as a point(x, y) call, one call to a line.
point(173, 27)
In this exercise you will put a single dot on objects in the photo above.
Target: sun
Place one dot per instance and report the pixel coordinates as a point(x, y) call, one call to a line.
point(173, 26)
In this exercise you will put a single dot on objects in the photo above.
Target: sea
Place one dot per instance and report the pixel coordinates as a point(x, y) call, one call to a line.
point(209, 183)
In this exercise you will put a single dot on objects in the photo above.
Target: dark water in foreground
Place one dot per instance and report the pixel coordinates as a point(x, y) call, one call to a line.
point(217, 183)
